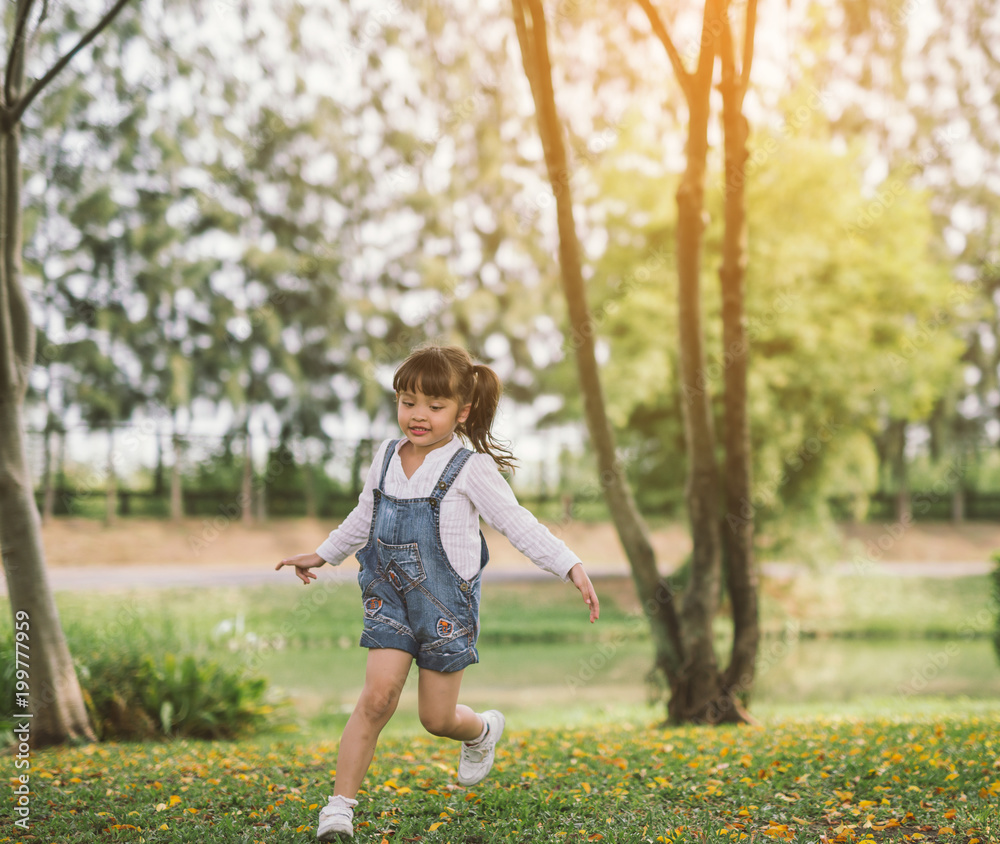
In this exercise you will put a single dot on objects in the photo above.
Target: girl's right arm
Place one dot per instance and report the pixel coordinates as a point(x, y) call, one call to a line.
point(350, 536)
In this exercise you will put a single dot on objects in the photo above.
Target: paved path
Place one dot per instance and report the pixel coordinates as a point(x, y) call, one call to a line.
point(114, 578)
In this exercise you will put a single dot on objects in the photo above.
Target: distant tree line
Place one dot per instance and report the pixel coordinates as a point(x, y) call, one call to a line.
point(269, 250)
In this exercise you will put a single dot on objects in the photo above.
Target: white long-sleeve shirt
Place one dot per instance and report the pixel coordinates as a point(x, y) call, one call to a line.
point(478, 490)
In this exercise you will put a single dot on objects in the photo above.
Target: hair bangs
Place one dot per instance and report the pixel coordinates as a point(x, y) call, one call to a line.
point(429, 372)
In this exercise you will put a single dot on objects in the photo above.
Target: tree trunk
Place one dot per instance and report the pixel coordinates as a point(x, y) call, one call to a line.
point(48, 488)
point(898, 467)
point(312, 507)
point(700, 680)
point(54, 700)
point(176, 491)
point(111, 482)
point(958, 504)
point(246, 492)
point(655, 593)
point(737, 529)
point(684, 652)
point(158, 472)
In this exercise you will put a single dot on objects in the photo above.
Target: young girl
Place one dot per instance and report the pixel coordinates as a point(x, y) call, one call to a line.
point(421, 555)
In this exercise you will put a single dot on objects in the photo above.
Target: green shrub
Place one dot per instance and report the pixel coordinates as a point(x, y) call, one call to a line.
point(144, 684)
point(179, 691)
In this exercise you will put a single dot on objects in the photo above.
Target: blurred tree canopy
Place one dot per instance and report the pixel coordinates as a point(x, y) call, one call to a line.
point(263, 240)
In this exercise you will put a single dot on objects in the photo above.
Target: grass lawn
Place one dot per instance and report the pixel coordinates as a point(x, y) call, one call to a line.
point(922, 778)
point(859, 752)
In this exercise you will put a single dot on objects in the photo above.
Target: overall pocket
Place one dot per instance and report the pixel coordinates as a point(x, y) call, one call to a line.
point(401, 564)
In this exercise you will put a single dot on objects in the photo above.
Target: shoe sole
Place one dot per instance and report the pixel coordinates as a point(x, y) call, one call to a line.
point(336, 836)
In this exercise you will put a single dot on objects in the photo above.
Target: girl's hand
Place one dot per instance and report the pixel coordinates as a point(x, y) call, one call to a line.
point(302, 563)
point(582, 582)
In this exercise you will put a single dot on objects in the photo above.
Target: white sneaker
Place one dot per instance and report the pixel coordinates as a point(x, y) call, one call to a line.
point(336, 819)
point(477, 759)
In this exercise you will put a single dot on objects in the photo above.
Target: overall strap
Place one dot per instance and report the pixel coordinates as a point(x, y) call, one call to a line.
point(390, 451)
point(450, 473)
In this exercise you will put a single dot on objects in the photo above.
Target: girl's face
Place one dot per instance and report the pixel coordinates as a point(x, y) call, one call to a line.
point(428, 421)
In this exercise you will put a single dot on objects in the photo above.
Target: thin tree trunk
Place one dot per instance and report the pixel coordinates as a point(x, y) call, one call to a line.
point(312, 508)
point(158, 472)
point(246, 492)
point(176, 490)
point(898, 467)
point(654, 592)
point(111, 482)
point(48, 488)
point(700, 683)
point(737, 529)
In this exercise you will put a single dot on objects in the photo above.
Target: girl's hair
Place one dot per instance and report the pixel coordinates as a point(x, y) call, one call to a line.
point(448, 372)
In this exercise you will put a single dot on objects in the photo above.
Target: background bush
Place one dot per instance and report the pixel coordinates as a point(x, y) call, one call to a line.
point(143, 682)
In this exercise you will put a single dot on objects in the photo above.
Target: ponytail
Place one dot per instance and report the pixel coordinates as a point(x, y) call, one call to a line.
point(484, 400)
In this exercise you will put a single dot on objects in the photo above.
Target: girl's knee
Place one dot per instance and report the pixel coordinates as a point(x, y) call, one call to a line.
point(377, 704)
point(437, 722)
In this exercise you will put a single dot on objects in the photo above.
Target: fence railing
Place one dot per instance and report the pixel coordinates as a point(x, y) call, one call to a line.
point(67, 501)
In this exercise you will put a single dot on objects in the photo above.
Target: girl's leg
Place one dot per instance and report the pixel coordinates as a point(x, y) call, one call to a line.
point(384, 679)
point(440, 712)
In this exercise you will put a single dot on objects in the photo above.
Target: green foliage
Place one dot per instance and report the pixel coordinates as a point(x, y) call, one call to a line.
point(139, 685)
point(134, 695)
point(851, 318)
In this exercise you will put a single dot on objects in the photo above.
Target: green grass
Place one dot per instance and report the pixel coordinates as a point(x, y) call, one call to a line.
point(847, 738)
point(328, 612)
point(873, 606)
point(904, 778)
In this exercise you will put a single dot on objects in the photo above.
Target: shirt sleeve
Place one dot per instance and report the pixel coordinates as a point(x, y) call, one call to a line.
point(352, 534)
point(492, 496)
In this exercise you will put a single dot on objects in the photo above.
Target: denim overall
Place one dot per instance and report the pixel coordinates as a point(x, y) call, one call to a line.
point(414, 600)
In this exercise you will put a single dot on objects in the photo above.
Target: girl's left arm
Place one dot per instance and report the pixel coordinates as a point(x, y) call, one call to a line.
point(492, 496)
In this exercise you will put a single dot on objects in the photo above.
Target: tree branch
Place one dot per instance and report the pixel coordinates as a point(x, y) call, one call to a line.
point(41, 18)
point(683, 75)
point(16, 45)
point(748, 45)
point(22, 104)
